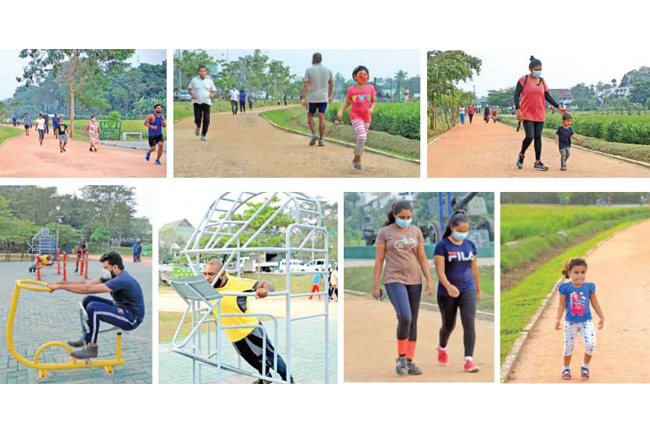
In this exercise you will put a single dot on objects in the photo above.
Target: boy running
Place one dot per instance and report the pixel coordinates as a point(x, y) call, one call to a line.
point(155, 123)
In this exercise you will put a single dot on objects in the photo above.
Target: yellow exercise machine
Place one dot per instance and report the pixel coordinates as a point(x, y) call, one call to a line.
point(43, 368)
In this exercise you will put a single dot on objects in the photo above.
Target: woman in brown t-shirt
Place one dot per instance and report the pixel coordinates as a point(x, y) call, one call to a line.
point(401, 245)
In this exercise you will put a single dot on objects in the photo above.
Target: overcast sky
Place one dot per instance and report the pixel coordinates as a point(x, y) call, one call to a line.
point(192, 204)
point(143, 198)
point(12, 67)
point(381, 63)
point(562, 66)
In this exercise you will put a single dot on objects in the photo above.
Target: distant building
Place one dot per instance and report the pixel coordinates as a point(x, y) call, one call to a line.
point(562, 96)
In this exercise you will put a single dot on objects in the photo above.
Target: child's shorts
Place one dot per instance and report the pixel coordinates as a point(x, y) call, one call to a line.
point(588, 332)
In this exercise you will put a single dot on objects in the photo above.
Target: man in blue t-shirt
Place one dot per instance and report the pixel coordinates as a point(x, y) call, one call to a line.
point(126, 310)
point(563, 137)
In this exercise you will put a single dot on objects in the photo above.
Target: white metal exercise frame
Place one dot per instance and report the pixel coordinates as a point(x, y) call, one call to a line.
point(219, 234)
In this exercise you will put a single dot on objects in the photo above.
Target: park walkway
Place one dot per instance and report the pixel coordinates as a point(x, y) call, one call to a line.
point(490, 150)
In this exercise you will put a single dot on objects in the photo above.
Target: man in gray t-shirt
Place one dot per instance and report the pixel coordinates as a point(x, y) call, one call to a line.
point(316, 96)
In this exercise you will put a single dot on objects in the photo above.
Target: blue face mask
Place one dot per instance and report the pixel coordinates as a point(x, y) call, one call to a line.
point(459, 236)
point(403, 223)
point(537, 73)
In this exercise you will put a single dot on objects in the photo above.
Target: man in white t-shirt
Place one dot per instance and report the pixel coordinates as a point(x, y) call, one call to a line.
point(316, 96)
point(234, 100)
point(202, 91)
point(40, 128)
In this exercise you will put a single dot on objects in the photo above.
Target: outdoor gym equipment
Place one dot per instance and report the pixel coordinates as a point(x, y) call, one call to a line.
point(305, 234)
point(44, 368)
point(110, 129)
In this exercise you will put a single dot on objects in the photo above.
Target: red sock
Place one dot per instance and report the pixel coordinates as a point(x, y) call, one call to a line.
point(410, 349)
point(402, 347)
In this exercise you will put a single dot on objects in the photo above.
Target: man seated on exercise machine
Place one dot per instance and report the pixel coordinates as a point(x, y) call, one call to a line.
point(247, 341)
point(125, 311)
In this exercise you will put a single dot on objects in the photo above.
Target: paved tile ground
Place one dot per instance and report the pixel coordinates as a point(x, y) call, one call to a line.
point(44, 317)
point(308, 364)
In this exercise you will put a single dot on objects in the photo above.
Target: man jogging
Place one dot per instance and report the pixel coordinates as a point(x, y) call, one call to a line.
point(202, 91)
point(316, 96)
point(126, 309)
point(155, 123)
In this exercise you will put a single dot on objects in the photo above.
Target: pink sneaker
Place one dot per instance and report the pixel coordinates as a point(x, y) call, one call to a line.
point(470, 366)
point(443, 358)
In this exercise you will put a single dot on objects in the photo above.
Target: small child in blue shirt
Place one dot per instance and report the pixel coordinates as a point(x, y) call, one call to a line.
point(575, 297)
point(563, 139)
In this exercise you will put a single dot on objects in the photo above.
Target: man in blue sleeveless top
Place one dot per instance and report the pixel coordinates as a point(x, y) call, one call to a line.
point(155, 123)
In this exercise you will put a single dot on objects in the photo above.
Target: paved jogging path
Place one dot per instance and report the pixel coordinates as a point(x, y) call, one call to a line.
point(370, 345)
point(619, 268)
point(21, 156)
point(490, 150)
point(249, 146)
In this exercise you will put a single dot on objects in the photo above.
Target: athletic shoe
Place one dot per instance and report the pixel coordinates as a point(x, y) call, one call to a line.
point(61, 150)
point(158, 162)
point(520, 161)
point(197, 131)
point(562, 168)
point(203, 138)
point(443, 358)
point(470, 366)
point(566, 374)
point(540, 166)
point(90, 150)
point(313, 140)
point(79, 343)
point(86, 353)
point(401, 368)
point(147, 156)
point(321, 143)
point(584, 372)
point(412, 368)
point(356, 165)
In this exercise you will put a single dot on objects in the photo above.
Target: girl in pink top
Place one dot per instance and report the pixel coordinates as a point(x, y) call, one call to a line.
point(362, 98)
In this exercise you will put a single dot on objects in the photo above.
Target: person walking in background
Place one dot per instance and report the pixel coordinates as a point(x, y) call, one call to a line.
point(55, 125)
point(470, 113)
point(93, 133)
point(202, 91)
point(486, 114)
point(250, 100)
point(47, 122)
point(316, 96)
point(40, 128)
point(462, 115)
point(242, 101)
point(315, 284)
point(27, 123)
point(14, 121)
point(234, 100)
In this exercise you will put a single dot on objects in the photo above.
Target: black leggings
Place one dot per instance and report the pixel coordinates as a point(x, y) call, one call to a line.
point(466, 302)
point(250, 348)
point(202, 117)
point(471, 116)
point(406, 300)
point(242, 106)
point(233, 105)
point(533, 132)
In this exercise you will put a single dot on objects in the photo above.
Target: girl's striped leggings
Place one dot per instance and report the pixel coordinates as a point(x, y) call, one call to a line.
point(361, 128)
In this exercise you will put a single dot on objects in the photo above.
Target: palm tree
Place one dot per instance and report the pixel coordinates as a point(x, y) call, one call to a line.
point(400, 78)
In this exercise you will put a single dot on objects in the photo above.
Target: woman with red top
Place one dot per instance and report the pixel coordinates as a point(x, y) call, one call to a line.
point(533, 92)
point(362, 98)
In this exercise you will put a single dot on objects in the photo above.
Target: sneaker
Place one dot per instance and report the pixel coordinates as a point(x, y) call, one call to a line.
point(158, 162)
point(313, 140)
point(321, 143)
point(86, 353)
point(470, 366)
point(401, 368)
point(584, 372)
point(147, 156)
point(356, 165)
point(203, 138)
point(520, 161)
point(91, 149)
point(540, 166)
point(412, 368)
point(443, 358)
point(562, 168)
point(197, 131)
point(78, 343)
point(566, 374)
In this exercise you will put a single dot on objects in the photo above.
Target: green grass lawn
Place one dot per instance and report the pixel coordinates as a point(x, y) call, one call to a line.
point(637, 152)
point(520, 303)
point(183, 109)
point(359, 279)
point(296, 120)
point(7, 132)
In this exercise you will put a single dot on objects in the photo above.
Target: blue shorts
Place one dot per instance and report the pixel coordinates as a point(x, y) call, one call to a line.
point(313, 107)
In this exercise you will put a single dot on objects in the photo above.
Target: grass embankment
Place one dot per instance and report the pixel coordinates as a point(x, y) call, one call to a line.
point(184, 109)
point(7, 132)
point(520, 303)
point(360, 279)
point(636, 152)
point(167, 322)
point(295, 119)
point(536, 227)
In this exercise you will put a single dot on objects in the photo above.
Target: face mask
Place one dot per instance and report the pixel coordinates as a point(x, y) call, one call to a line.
point(107, 275)
point(459, 236)
point(362, 79)
point(537, 73)
point(403, 223)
